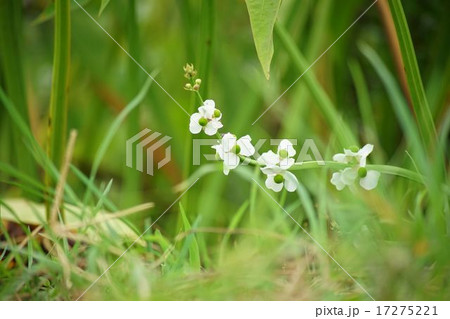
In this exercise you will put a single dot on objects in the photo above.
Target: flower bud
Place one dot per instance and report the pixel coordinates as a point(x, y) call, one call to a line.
point(188, 87)
point(354, 148)
point(278, 179)
point(189, 71)
point(236, 149)
point(283, 153)
point(362, 172)
point(203, 121)
point(196, 87)
point(198, 81)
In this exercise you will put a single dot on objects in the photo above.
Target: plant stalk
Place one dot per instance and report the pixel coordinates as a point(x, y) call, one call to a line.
point(57, 121)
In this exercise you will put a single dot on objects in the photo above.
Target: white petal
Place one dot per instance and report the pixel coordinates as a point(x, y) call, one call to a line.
point(210, 129)
point(370, 181)
point(366, 150)
point(286, 163)
point(226, 169)
point(194, 127)
point(269, 158)
point(246, 146)
point(202, 111)
point(336, 180)
point(195, 117)
point(228, 142)
point(287, 146)
point(363, 153)
point(270, 184)
point(231, 160)
point(340, 158)
point(272, 170)
point(209, 104)
point(350, 153)
point(290, 182)
point(207, 109)
point(216, 123)
point(348, 176)
point(219, 150)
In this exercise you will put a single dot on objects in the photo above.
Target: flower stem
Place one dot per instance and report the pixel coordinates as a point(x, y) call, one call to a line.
point(196, 91)
point(384, 169)
point(57, 121)
point(199, 96)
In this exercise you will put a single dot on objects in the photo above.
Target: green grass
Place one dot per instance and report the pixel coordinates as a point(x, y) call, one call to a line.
point(57, 119)
point(11, 63)
point(224, 238)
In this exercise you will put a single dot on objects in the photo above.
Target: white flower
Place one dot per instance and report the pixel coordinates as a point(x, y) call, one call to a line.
point(230, 148)
point(276, 166)
point(207, 118)
point(283, 158)
point(370, 180)
point(359, 155)
point(278, 177)
point(346, 177)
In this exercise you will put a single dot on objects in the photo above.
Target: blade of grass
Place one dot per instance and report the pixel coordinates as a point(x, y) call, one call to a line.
point(398, 103)
point(429, 168)
point(62, 181)
point(112, 132)
point(389, 28)
point(60, 83)
point(57, 121)
point(315, 37)
point(206, 43)
point(419, 99)
point(338, 126)
point(191, 242)
point(364, 103)
point(232, 226)
point(132, 178)
point(12, 74)
point(103, 6)
point(33, 146)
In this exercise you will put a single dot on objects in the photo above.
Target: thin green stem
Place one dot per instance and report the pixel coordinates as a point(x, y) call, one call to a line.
point(206, 43)
point(384, 169)
point(60, 82)
point(199, 96)
point(57, 121)
point(132, 179)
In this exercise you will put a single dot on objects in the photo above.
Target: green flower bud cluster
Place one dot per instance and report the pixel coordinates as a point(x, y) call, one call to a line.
point(190, 73)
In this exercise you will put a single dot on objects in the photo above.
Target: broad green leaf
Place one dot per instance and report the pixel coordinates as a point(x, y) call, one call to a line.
point(263, 14)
